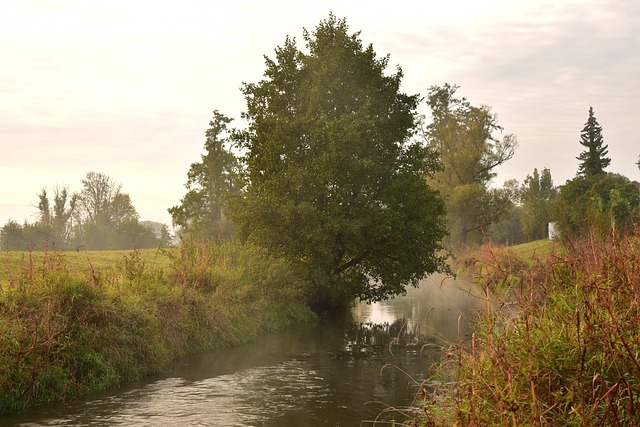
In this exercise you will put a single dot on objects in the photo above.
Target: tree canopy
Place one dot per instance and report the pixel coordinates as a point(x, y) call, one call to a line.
point(57, 218)
point(538, 195)
point(200, 211)
point(334, 181)
point(597, 203)
point(464, 137)
point(592, 160)
point(100, 216)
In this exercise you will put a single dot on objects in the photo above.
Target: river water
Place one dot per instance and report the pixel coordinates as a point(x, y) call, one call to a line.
point(343, 373)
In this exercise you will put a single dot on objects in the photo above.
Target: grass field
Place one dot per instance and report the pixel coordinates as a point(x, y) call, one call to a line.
point(537, 248)
point(12, 263)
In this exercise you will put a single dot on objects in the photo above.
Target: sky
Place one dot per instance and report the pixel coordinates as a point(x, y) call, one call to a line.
point(127, 88)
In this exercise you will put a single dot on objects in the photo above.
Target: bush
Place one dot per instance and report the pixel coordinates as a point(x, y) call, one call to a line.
point(598, 203)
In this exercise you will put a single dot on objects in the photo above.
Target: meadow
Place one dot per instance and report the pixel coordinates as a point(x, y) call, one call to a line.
point(14, 263)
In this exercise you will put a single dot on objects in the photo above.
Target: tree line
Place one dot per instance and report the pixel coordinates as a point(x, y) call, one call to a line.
point(335, 171)
point(99, 216)
point(594, 201)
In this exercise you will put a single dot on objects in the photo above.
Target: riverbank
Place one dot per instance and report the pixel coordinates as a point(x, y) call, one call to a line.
point(557, 344)
point(67, 332)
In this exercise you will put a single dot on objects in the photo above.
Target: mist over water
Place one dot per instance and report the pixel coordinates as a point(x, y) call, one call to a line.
point(337, 373)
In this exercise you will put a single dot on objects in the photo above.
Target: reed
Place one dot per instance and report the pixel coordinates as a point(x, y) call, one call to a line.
point(558, 343)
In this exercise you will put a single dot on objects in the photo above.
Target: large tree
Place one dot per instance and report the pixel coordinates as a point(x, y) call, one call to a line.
point(464, 137)
point(333, 181)
point(592, 160)
point(101, 201)
point(200, 210)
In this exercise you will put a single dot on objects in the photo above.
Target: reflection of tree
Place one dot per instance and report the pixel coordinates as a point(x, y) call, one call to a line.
point(439, 311)
point(371, 336)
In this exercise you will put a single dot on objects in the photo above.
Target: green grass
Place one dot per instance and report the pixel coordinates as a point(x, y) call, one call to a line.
point(14, 263)
point(537, 248)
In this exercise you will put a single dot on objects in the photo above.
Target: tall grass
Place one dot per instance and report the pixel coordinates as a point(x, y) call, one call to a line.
point(558, 344)
point(64, 334)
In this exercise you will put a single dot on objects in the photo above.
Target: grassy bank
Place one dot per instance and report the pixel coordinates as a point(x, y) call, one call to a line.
point(558, 343)
point(66, 330)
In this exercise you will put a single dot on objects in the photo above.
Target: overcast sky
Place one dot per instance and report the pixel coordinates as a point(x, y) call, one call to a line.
point(127, 88)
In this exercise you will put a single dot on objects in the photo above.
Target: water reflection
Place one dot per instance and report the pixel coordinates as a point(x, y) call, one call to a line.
point(336, 374)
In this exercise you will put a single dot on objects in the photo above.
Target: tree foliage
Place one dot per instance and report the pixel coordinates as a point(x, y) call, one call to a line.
point(12, 237)
point(508, 231)
point(102, 202)
point(107, 217)
point(333, 182)
point(57, 218)
point(200, 211)
point(100, 216)
point(597, 203)
point(463, 136)
point(537, 195)
point(592, 160)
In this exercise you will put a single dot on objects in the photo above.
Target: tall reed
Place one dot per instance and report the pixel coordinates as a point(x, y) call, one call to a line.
point(558, 344)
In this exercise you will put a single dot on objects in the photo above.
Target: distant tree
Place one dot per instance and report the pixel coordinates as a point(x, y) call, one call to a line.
point(200, 211)
point(333, 181)
point(106, 217)
point(592, 160)
point(12, 237)
point(160, 231)
point(130, 233)
point(37, 236)
point(537, 195)
point(43, 206)
point(102, 202)
point(509, 230)
point(463, 136)
point(57, 218)
point(597, 202)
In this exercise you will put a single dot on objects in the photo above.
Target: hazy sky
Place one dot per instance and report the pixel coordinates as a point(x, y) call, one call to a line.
point(127, 88)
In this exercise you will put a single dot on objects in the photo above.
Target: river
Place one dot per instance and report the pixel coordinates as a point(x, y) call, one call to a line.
point(344, 373)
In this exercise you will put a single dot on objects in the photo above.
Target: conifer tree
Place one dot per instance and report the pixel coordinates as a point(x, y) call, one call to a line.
point(593, 160)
